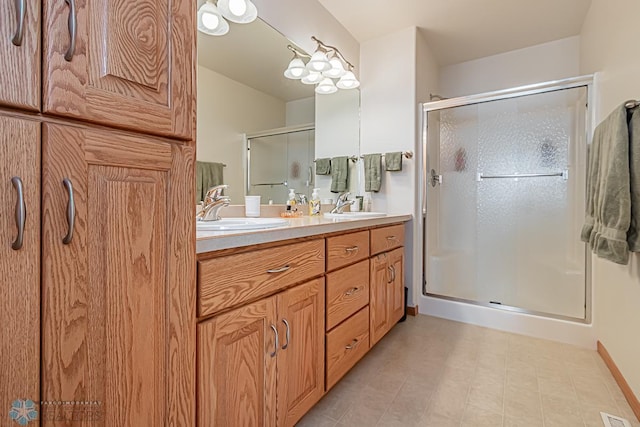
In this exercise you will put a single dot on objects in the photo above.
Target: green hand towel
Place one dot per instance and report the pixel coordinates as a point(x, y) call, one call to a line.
point(323, 166)
point(208, 174)
point(609, 202)
point(339, 174)
point(393, 161)
point(633, 236)
point(372, 172)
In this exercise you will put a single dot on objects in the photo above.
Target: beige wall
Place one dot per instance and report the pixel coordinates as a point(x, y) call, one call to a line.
point(609, 44)
point(226, 111)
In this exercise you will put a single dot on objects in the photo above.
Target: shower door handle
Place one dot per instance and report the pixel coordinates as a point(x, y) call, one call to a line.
point(435, 178)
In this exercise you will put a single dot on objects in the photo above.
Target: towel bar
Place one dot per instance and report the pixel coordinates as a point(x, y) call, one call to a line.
point(564, 174)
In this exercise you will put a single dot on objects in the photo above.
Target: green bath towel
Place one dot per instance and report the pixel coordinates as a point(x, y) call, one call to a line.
point(323, 166)
point(339, 174)
point(613, 187)
point(393, 161)
point(372, 172)
point(208, 174)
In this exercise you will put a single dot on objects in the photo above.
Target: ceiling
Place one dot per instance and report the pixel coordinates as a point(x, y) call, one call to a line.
point(255, 55)
point(462, 30)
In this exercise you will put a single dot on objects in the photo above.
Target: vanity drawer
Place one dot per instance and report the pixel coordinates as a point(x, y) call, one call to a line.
point(231, 280)
point(387, 238)
point(347, 292)
point(347, 249)
point(346, 344)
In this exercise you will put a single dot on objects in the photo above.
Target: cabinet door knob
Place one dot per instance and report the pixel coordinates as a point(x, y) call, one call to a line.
point(277, 344)
point(391, 274)
point(287, 334)
point(73, 27)
point(21, 11)
point(21, 213)
point(71, 211)
point(279, 270)
point(353, 344)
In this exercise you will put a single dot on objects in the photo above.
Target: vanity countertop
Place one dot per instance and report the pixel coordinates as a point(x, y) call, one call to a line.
point(208, 241)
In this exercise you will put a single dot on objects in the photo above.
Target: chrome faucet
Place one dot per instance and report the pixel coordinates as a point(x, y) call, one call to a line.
point(213, 202)
point(342, 202)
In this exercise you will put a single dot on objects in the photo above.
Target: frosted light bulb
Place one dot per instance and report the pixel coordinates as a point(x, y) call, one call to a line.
point(238, 7)
point(210, 20)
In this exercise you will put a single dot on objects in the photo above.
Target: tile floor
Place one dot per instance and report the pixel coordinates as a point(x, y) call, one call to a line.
point(434, 372)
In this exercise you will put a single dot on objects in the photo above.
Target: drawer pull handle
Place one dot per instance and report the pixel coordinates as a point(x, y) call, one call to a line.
point(279, 270)
point(352, 249)
point(287, 334)
point(353, 344)
point(352, 291)
point(21, 10)
point(73, 26)
point(275, 347)
point(71, 211)
point(21, 213)
point(394, 238)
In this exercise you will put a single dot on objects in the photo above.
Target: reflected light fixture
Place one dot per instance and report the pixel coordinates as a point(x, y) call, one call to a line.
point(212, 18)
point(326, 63)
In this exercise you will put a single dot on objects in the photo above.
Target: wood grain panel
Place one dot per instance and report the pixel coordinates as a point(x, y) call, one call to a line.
point(347, 249)
point(633, 401)
point(347, 292)
point(386, 238)
point(396, 289)
point(132, 57)
point(20, 65)
point(236, 373)
point(379, 303)
point(19, 269)
point(111, 321)
point(347, 344)
point(301, 360)
point(229, 281)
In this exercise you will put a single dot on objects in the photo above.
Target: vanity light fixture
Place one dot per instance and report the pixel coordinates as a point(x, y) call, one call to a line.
point(326, 63)
point(211, 17)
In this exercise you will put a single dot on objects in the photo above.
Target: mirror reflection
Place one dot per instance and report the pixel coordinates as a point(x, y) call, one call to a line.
point(257, 129)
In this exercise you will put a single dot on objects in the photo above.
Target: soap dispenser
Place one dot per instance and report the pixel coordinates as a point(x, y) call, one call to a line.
point(291, 202)
point(314, 204)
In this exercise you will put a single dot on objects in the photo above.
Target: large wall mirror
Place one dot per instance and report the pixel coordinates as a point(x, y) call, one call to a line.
point(264, 128)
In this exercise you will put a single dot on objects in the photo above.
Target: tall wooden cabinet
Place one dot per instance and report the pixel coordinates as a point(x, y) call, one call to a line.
point(98, 303)
point(19, 261)
point(116, 306)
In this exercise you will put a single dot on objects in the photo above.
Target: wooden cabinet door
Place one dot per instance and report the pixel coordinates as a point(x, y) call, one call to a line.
point(237, 367)
point(396, 288)
point(19, 265)
point(118, 274)
point(20, 54)
point(301, 354)
point(131, 66)
point(379, 298)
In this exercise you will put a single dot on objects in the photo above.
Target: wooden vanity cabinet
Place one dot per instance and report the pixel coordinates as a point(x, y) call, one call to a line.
point(19, 261)
point(118, 304)
point(263, 363)
point(123, 63)
point(20, 54)
point(387, 292)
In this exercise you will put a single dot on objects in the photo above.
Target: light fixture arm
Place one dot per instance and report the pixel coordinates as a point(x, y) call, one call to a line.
point(297, 53)
point(335, 50)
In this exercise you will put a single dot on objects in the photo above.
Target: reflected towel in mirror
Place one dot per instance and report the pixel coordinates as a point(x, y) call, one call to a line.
point(323, 166)
point(208, 174)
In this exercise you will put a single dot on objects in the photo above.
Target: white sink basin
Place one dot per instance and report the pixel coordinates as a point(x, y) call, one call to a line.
point(354, 215)
point(229, 224)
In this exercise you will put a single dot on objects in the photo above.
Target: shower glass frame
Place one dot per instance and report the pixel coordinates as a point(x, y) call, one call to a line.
point(586, 81)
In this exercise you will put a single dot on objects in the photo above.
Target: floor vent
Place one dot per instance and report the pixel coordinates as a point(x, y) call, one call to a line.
point(613, 421)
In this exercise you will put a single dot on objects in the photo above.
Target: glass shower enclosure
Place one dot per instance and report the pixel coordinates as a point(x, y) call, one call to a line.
point(505, 183)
